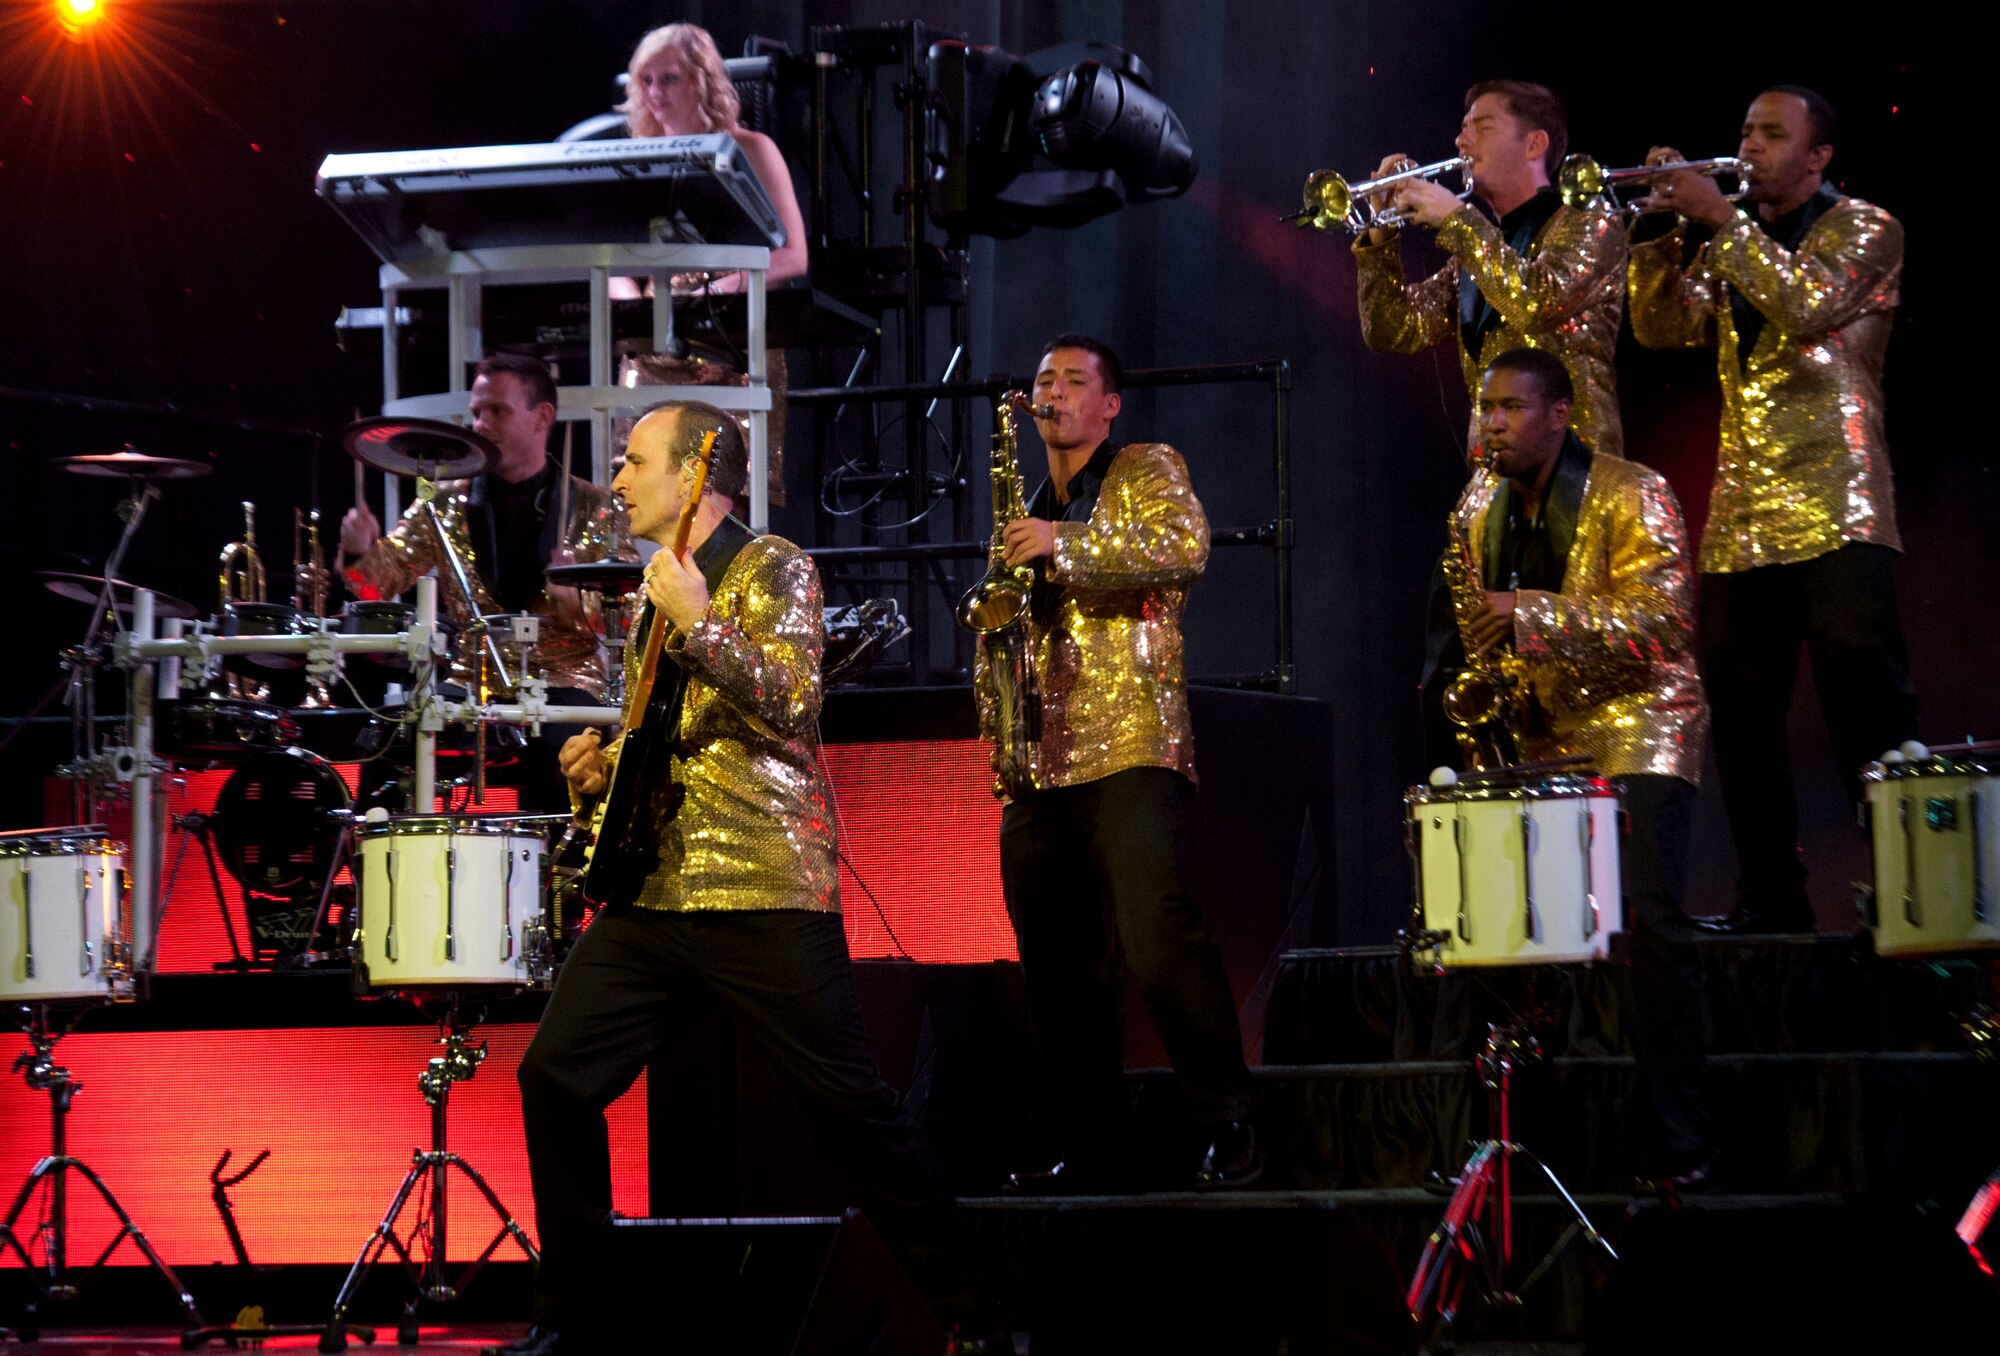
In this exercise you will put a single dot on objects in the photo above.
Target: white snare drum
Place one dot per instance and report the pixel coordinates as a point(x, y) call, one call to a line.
point(1934, 832)
point(1518, 875)
point(450, 901)
point(63, 933)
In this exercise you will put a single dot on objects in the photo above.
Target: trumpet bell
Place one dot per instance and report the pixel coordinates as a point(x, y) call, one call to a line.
point(1329, 202)
point(1581, 181)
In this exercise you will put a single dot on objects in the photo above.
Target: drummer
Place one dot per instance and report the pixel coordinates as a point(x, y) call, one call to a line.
point(507, 525)
point(1587, 579)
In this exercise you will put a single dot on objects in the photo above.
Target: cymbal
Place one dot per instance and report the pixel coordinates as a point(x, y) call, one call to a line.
point(419, 447)
point(128, 463)
point(607, 575)
point(88, 588)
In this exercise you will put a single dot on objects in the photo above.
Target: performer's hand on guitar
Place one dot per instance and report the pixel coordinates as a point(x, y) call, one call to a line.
point(582, 761)
point(1492, 625)
point(675, 586)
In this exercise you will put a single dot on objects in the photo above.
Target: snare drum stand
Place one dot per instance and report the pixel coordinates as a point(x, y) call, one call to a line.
point(429, 1173)
point(1476, 1236)
point(52, 1280)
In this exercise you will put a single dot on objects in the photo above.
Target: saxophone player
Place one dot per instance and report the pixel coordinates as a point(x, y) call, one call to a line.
point(1797, 293)
point(1586, 573)
point(1095, 846)
point(1525, 269)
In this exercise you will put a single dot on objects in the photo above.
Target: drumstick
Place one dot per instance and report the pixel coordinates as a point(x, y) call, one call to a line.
point(360, 485)
point(562, 495)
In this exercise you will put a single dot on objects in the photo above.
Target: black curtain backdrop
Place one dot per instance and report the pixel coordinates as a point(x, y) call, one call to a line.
point(160, 242)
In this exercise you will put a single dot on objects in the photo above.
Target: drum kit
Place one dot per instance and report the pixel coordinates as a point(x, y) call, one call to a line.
point(448, 909)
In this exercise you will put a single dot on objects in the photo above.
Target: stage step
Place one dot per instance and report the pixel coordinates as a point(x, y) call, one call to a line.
point(1915, 1125)
point(1229, 1273)
point(1766, 995)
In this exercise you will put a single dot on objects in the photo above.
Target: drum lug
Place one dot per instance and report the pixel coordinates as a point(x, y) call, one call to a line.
point(507, 908)
point(1464, 885)
point(1911, 913)
point(1973, 804)
point(1528, 870)
point(389, 932)
point(1588, 832)
point(1864, 905)
point(451, 901)
point(84, 952)
point(28, 915)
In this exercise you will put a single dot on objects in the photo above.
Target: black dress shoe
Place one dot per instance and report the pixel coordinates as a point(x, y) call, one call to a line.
point(1059, 1179)
point(1744, 921)
point(1232, 1160)
point(1700, 1178)
point(539, 1341)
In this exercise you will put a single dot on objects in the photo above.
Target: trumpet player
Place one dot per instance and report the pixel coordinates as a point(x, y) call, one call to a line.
point(1587, 580)
point(1525, 270)
point(1095, 849)
point(1797, 289)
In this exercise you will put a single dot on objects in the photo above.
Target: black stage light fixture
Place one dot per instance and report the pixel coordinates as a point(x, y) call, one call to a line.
point(1056, 138)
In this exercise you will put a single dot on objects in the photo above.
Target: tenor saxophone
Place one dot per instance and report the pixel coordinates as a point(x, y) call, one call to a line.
point(996, 609)
point(1484, 699)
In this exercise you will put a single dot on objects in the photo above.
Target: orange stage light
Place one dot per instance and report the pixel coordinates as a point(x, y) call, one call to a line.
point(78, 17)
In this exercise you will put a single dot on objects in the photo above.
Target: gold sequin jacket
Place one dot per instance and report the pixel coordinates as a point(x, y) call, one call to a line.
point(755, 824)
point(1802, 465)
point(1609, 659)
point(1566, 296)
point(1108, 649)
point(567, 653)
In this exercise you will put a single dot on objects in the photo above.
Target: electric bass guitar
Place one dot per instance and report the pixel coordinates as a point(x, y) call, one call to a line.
point(622, 852)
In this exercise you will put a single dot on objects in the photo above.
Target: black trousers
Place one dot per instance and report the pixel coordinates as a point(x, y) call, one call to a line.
point(1094, 873)
point(1841, 608)
point(639, 979)
point(1667, 997)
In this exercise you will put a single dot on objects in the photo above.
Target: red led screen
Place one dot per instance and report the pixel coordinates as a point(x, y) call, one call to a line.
point(339, 1110)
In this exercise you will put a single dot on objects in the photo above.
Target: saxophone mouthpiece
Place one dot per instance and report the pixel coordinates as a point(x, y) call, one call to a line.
point(1019, 400)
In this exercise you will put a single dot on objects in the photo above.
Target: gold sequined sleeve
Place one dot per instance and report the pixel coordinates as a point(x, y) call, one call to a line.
point(1807, 294)
point(1574, 254)
point(405, 554)
point(1400, 317)
point(763, 653)
point(1670, 306)
point(1148, 530)
point(1644, 616)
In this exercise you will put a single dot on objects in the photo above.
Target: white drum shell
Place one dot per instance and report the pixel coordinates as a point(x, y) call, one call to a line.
point(62, 929)
point(462, 895)
point(1538, 872)
point(1935, 836)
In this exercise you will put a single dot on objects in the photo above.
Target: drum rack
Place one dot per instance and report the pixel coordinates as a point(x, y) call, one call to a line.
point(158, 661)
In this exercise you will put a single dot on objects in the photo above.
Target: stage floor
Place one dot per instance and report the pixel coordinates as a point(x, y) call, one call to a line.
point(462, 1339)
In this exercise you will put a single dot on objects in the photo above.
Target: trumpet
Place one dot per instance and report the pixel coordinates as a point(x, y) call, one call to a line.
point(241, 577)
point(310, 577)
point(1330, 201)
point(1582, 181)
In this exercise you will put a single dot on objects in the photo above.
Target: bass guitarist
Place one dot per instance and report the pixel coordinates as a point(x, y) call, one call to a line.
point(722, 887)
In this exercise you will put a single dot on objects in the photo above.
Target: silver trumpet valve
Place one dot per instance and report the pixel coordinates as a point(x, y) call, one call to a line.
point(1332, 203)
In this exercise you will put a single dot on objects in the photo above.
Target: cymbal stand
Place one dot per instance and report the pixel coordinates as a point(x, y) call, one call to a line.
point(429, 1174)
point(53, 1279)
point(1475, 1239)
point(81, 662)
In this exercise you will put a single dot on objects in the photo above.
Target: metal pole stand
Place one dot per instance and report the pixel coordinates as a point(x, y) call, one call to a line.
point(53, 1283)
point(1476, 1237)
point(428, 1175)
